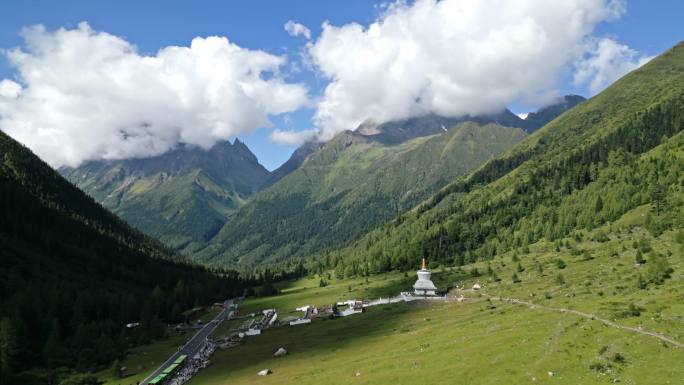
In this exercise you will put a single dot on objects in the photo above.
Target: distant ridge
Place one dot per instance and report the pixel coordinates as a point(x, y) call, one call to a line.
point(399, 131)
point(181, 197)
point(349, 185)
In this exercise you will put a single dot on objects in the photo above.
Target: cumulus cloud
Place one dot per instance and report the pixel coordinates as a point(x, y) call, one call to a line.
point(82, 94)
point(290, 138)
point(605, 62)
point(296, 29)
point(450, 57)
point(9, 90)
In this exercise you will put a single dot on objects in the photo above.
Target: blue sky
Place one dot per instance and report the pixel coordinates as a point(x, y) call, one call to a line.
point(647, 27)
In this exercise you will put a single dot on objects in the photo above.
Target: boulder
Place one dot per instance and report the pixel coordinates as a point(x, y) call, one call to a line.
point(280, 352)
point(264, 372)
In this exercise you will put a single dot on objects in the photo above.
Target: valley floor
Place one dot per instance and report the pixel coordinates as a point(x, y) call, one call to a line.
point(592, 326)
point(582, 321)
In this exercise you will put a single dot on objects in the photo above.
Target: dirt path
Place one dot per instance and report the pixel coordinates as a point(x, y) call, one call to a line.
point(639, 330)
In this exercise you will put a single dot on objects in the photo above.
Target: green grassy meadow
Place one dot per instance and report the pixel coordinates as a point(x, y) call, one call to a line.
point(483, 340)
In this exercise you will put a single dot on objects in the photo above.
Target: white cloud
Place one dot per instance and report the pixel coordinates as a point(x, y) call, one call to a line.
point(9, 89)
point(523, 115)
point(290, 138)
point(296, 29)
point(90, 95)
point(450, 57)
point(605, 62)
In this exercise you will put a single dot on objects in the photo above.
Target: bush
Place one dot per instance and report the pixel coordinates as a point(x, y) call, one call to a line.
point(560, 264)
point(644, 246)
point(515, 278)
point(641, 283)
point(519, 269)
point(633, 310)
point(494, 277)
point(639, 258)
point(658, 269)
point(618, 358)
point(601, 236)
point(560, 280)
point(679, 237)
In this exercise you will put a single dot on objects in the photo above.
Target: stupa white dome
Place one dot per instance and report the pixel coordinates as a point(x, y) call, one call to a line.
point(424, 285)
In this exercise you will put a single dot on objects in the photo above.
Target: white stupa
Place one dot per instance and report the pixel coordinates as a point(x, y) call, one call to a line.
point(424, 285)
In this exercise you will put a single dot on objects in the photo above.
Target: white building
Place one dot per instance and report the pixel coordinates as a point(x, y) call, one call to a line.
point(300, 321)
point(424, 286)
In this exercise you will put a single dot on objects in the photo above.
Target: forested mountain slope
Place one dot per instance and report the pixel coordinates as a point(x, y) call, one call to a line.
point(395, 132)
point(536, 120)
point(620, 150)
point(353, 183)
point(182, 197)
point(73, 275)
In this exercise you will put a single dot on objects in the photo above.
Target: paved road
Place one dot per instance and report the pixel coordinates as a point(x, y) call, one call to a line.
point(197, 341)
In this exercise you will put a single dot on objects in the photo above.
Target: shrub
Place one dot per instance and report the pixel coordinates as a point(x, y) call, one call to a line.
point(658, 269)
point(639, 258)
point(515, 278)
point(644, 246)
point(633, 310)
point(618, 358)
point(679, 237)
point(601, 236)
point(641, 283)
point(560, 264)
point(560, 280)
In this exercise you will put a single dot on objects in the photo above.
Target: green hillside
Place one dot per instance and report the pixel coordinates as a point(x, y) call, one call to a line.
point(73, 275)
point(593, 325)
point(349, 186)
point(536, 120)
point(182, 197)
point(620, 150)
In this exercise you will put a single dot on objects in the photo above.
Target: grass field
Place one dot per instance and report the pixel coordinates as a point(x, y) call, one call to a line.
point(482, 340)
point(485, 341)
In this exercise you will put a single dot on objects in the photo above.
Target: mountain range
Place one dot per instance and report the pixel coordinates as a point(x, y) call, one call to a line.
point(349, 186)
point(200, 201)
point(182, 197)
point(615, 154)
point(570, 178)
